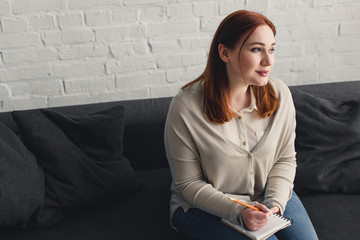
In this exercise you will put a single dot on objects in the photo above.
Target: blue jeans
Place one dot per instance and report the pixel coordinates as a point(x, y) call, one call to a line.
point(198, 225)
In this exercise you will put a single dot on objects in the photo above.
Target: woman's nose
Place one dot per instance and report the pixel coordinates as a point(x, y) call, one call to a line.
point(267, 60)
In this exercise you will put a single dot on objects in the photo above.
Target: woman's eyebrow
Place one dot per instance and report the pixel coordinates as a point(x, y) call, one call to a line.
point(260, 43)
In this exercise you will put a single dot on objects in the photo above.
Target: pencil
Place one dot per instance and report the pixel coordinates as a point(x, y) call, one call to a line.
point(244, 204)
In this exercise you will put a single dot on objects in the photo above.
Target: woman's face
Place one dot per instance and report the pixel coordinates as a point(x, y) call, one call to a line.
point(252, 63)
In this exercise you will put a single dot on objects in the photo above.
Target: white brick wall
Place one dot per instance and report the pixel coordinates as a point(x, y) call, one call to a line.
point(65, 52)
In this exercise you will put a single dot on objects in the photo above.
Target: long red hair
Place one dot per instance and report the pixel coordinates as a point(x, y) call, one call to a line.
point(238, 25)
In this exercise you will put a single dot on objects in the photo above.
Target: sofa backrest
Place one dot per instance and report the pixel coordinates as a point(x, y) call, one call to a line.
point(145, 120)
point(144, 128)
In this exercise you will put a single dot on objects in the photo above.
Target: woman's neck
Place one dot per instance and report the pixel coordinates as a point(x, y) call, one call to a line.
point(240, 97)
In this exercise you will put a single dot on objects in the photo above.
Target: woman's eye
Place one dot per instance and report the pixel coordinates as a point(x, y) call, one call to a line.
point(256, 49)
point(272, 50)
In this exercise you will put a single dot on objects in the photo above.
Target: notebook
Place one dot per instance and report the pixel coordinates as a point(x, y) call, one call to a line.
point(276, 223)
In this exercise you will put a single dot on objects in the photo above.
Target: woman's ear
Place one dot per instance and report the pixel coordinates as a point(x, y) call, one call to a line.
point(223, 52)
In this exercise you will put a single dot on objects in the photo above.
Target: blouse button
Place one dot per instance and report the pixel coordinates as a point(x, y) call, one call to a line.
point(239, 117)
point(244, 143)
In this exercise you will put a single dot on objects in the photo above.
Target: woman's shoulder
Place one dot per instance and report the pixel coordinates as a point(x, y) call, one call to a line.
point(188, 99)
point(280, 87)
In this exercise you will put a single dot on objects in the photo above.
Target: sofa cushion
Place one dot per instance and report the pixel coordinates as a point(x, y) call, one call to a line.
point(143, 215)
point(333, 215)
point(21, 180)
point(327, 144)
point(81, 155)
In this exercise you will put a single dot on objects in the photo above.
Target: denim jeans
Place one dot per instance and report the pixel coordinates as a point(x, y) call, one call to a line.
point(199, 225)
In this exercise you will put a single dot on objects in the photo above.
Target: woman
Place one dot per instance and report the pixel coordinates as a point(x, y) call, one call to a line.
point(230, 133)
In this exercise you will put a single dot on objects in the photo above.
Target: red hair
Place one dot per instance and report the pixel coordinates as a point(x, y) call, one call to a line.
point(238, 25)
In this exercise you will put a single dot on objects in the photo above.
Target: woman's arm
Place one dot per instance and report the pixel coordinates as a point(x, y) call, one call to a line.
point(188, 177)
point(281, 177)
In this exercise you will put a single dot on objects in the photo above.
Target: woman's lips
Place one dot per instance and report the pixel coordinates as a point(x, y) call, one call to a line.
point(263, 73)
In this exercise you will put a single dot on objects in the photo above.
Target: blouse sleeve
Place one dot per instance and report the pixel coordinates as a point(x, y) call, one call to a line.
point(281, 177)
point(186, 168)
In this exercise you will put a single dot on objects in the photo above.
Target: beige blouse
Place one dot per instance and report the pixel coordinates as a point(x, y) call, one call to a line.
point(247, 128)
point(207, 167)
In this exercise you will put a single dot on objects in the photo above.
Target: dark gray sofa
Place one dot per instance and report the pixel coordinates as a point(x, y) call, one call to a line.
point(332, 206)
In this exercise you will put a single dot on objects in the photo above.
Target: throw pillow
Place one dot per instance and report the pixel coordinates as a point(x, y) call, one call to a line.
point(327, 144)
point(21, 181)
point(81, 155)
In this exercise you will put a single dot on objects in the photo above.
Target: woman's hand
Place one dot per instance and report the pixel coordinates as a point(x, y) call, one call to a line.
point(254, 220)
point(275, 210)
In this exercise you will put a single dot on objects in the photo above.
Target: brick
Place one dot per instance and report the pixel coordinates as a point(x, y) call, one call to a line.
point(342, 43)
point(326, 61)
point(129, 48)
point(24, 104)
point(36, 88)
point(125, 95)
point(142, 80)
point(306, 64)
point(340, 73)
point(346, 59)
point(27, 6)
point(124, 15)
point(72, 99)
point(137, 2)
point(284, 19)
point(287, 78)
point(279, 5)
point(70, 20)
point(331, 14)
point(4, 7)
point(4, 92)
point(323, 3)
point(315, 32)
point(282, 65)
point(183, 74)
point(13, 24)
point(350, 28)
point(69, 36)
point(347, 13)
point(325, 46)
point(75, 69)
point(283, 34)
point(130, 32)
point(52, 38)
point(165, 91)
point(85, 4)
point(97, 18)
point(180, 11)
point(172, 28)
point(160, 45)
point(201, 42)
point(348, 1)
point(227, 7)
point(47, 88)
point(77, 36)
point(203, 9)
point(96, 85)
point(196, 58)
point(32, 55)
point(257, 5)
point(24, 73)
point(289, 50)
point(131, 64)
point(41, 22)
point(181, 60)
point(210, 24)
point(152, 14)
point(170, 61)
point(83, 51)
